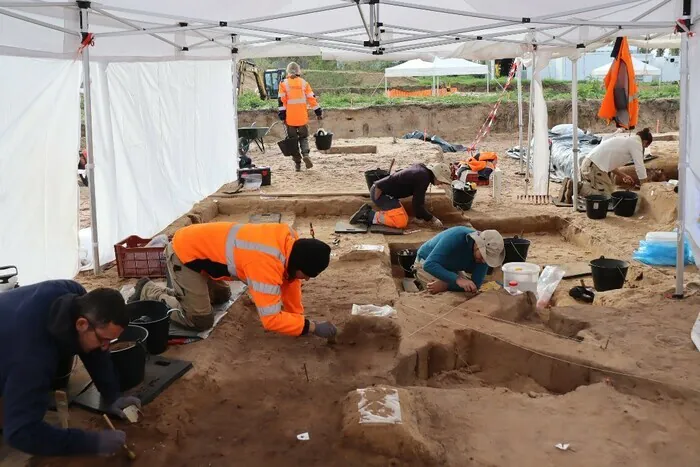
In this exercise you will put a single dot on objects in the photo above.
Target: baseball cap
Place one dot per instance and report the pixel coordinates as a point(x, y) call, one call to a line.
point(490, 245)
point(441, 172)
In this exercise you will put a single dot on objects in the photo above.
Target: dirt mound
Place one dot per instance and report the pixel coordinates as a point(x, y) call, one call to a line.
point(403, 440)
point(502, 305)
point(384, 333)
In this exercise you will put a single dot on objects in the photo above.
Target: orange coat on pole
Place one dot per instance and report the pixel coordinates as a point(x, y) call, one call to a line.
point(296, 96)
point(621, 103)
point(256, 254)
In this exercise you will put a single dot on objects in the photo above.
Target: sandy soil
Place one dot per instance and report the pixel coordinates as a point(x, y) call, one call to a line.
point(489, 381)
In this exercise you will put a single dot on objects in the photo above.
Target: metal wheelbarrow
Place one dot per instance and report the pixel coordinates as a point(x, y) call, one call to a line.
point(248, 134)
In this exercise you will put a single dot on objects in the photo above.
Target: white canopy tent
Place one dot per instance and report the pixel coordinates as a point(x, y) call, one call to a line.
point(640, 69)
point(131, 31)
point(438, 67)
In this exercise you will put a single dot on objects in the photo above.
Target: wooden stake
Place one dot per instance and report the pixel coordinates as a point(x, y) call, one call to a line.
point(306, 373)
point(129, 453)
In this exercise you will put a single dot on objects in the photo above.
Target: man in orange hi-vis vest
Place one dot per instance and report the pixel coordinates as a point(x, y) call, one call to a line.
point(621, 102)
point(295, 97)
point(270, 258)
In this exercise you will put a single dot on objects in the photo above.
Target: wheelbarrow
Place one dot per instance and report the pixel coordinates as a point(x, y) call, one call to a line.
point(248, 134)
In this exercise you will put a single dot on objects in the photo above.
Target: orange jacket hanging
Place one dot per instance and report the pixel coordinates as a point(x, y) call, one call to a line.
point(295, 96)
point(257, 254)
point(621, 103)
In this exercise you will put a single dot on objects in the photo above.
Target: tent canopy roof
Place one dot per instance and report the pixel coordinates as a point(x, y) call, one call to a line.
point(439, 67)
point(334, 29)
point(640, 69)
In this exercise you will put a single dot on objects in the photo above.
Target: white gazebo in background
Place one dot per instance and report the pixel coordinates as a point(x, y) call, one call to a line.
point(439, 67)
point(640, 69)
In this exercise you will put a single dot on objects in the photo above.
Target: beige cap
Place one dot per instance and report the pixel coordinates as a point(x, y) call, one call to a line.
point(442, 172)
point(293, 69)
point(490, 245)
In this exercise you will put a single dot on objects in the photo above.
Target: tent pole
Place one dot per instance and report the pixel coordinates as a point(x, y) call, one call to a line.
point(488, 79)
point(84, 27)
point(386, 87)
point(520, 116)
point(574, 123)
point(530, 121)
point(682, 166)
point(234, 79)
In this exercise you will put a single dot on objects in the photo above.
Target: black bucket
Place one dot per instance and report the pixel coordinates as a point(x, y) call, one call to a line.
point(516, 250)
point(375, 175)
point(130, 360)
point(154, 316)
point(463, 199)
point(608, 274)
point(406, 259)
point(597, 206)
point(323, 142)
point(289, 146)
point(624, 203)
point(63, 372)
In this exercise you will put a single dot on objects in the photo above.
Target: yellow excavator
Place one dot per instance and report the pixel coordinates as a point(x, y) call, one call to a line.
point(268, 85)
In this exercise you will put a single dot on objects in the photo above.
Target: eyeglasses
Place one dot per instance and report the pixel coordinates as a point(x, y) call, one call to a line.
point(105, 341)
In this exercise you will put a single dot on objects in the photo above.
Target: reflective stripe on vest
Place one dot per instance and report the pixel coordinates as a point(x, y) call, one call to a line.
point(263, 287)
point(296, 101)
point(232, 242)
point(270, 310)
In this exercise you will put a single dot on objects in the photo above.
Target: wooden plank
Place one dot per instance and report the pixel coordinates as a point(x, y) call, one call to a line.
point(361, 149)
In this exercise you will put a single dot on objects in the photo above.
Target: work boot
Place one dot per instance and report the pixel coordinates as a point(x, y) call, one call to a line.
point(152, 291)
point(362, 215)
point(307, 162)
point(297, 166)
point(138, 288)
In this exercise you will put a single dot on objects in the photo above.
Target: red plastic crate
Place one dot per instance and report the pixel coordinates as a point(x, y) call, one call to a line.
point(134, 259)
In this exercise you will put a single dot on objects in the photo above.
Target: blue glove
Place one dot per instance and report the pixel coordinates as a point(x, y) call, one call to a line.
point(282, 114)
point(110, 442)
point(118, 406)
point(325, 329)
point(319, 113)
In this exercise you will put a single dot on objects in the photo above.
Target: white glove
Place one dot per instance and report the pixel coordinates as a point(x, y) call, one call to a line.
point(437, 223)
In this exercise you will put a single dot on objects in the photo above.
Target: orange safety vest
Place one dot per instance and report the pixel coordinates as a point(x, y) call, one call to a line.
point(482, 161)
point(295, 96)
point(621, 80)
point(256, 254)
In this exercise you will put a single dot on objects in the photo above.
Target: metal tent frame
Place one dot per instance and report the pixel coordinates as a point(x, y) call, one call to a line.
point(196, 34)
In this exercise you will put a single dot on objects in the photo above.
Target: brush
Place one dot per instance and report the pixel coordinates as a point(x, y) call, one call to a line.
point(129, 453)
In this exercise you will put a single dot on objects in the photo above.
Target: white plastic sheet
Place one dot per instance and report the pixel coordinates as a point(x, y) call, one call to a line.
point(163, 141)
point(39, 139)
point(692, 198)
point(540, 129)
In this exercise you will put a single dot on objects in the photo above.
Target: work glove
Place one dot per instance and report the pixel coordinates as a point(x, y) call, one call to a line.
point(282, 114)
point(325, 329)
point(118, 406)
point(110, 442)
point(319, 113)
point(437, 223)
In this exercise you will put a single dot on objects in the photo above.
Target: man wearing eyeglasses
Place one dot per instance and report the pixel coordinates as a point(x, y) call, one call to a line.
point(43, 324)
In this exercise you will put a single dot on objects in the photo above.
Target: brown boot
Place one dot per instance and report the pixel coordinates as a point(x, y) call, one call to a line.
point(152, 291)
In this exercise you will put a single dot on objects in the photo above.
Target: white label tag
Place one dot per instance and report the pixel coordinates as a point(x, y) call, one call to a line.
point(596, 205)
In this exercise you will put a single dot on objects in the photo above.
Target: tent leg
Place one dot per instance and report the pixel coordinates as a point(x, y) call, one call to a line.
point(520, 117)
point(234, 79)
point(682, 167)
point(488, 80)
point(84, 26)
point(574, 123)
point(386, 87)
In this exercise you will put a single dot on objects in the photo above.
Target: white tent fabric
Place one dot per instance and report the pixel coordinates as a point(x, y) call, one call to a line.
point(39, 139)
point(640, 69)
point(692, 172)
point(163, 141)
point(438, 67)
point(540, 135)
point(659, 41)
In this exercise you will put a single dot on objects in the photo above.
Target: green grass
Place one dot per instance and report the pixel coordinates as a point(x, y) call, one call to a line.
point(586, 90)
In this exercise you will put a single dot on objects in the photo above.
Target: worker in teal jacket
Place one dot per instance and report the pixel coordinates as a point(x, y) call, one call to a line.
point(457, 259)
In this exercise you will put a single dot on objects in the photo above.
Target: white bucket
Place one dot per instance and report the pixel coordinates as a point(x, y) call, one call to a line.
point(525, 274)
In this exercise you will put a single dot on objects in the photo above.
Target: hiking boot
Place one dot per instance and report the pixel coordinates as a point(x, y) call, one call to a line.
point(138, 288)
point(307, 162)
point(297, 166)
point(362, 215)
point(152, 291)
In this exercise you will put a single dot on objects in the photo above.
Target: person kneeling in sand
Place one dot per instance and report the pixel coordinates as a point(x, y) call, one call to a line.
point(270, 258)
point(457, 259)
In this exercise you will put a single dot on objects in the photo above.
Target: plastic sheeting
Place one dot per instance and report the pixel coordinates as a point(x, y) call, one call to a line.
point(163, 141)
point(435, 139)
point(692, 192)
point(39, 136)
point(562, 150)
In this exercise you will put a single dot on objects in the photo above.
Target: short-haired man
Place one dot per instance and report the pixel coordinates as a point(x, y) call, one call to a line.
point(44, 324)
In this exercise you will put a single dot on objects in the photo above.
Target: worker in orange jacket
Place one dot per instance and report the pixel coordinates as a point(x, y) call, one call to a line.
point(295, 96)
point(270, 258)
